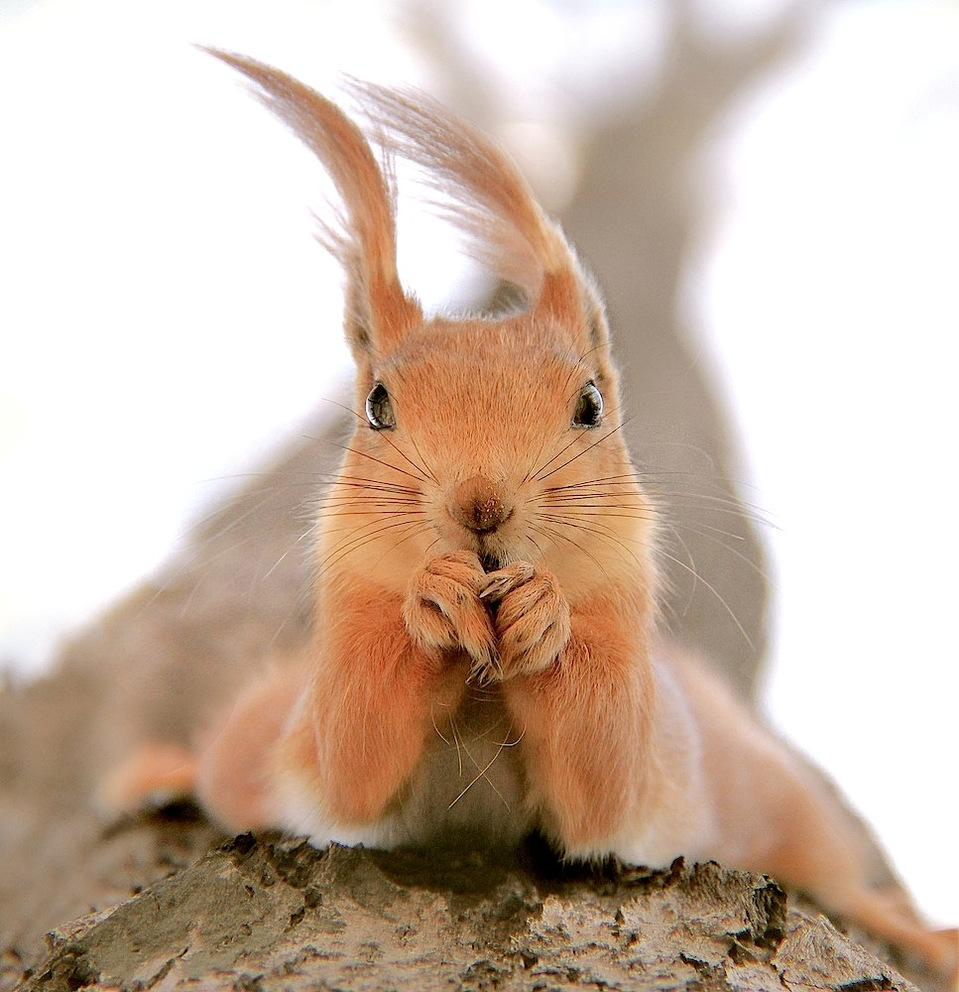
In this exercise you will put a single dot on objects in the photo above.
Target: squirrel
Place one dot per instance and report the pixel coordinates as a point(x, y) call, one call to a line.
point(486, 659)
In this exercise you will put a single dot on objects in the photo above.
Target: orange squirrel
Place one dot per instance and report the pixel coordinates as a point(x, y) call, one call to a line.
point(485, 659)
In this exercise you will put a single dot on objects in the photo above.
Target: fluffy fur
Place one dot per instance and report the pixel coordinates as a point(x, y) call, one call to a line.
point(485, 658)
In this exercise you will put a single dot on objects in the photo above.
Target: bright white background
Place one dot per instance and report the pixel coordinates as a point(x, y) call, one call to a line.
point(165, 314)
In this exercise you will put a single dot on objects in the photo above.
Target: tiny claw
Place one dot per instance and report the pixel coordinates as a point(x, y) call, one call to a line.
point(495, 588)
point(484, 673)
point(501, 582)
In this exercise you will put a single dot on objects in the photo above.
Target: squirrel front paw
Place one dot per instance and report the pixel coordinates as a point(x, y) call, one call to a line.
point(443, 610)
point(530, 618)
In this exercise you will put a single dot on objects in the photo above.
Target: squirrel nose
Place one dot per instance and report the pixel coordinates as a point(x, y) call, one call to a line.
point(478, 504)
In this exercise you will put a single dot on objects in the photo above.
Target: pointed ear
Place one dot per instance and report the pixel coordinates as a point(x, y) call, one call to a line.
point(494, 205)
point(378, 312)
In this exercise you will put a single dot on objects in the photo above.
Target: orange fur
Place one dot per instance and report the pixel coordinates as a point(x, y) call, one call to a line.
point(158, 772)
point(485, 658)
point(234, 766)
point(585, 720)
point(370, 706)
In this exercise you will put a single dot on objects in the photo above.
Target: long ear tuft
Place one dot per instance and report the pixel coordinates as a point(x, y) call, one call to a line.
point(491, 201)
point(379, 313)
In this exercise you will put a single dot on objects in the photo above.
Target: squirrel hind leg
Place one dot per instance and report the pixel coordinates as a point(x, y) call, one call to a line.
point(227, 773)
point(884, 913)
point(825, 855)
point(235, 764)
point(155, 774)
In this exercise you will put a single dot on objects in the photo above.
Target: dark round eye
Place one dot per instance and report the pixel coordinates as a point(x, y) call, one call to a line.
point(379, 410)
point(589, 407)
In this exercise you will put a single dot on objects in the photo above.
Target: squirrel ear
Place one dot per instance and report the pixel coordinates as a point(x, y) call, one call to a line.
point(493, 204)
point(378, 312)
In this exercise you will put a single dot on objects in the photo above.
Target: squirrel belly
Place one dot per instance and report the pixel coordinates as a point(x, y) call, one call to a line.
point(466, 790)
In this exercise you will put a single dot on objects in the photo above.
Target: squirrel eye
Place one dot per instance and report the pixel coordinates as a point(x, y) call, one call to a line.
point(379, 410)
point(589, 407)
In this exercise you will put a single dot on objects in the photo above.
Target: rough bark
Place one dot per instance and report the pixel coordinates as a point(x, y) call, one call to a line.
point(266, 913)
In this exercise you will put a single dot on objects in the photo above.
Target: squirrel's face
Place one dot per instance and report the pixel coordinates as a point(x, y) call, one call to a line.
point(493, 438)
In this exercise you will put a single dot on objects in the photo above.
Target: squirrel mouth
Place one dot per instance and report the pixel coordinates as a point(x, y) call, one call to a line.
point(491, 557)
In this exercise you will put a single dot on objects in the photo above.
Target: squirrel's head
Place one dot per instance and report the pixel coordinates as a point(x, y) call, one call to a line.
point(500, 435)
